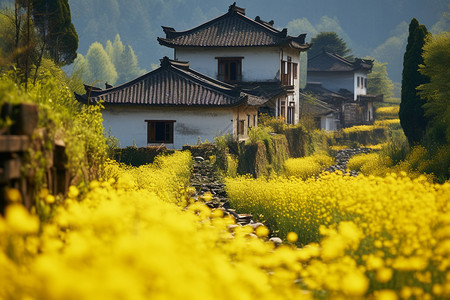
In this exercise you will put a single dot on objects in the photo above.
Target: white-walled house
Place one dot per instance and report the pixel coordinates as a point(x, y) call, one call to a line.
point(343, 84)
point(247, 53)
point(174, 105)
point(336, 73)
point(224, 73)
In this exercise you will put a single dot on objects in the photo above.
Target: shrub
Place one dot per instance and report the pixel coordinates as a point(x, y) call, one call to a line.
point(358, 161)
point(387, 112)
point(307, 166)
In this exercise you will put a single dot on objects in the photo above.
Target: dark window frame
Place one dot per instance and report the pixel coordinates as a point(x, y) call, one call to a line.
point(229, 69)
point(160, 131)
point(288, 72)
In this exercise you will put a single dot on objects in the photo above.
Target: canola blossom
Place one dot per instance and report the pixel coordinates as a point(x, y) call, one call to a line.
point(306, 167)
point(382, 237)
point(138, 235)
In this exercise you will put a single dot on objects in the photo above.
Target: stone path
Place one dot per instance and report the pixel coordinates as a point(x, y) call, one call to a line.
point(342, 158)
point(207, 183)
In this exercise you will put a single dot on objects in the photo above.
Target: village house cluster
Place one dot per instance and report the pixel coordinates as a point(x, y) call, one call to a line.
point(223, 74)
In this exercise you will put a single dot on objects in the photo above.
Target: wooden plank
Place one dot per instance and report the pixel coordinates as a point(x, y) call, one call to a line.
point(11, 169)
point(14, 143)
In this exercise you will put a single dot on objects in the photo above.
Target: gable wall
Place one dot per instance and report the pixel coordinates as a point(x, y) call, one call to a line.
point(259, 64)
point(334, 81)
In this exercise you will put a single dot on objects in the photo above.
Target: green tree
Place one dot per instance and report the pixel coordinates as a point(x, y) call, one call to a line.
point(101, 69)
point(411, 112)
point(436, 92)
point(81, 69)
point(130, 62)
point(59, 37)
point(116, 52)
point(378, 81)
point(330, 42)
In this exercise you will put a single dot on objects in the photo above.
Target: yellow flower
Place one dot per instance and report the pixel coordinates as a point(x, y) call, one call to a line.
point(50, 199)
point(20, 220)
point(385, 295)
point(384, 275)
point(354, 284)
point(262, 231)
point(73, 192)
point(13, 195)
point(292, 237)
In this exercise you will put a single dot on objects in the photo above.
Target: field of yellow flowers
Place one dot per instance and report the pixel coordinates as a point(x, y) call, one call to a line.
point(137, 234)
point(383, 237)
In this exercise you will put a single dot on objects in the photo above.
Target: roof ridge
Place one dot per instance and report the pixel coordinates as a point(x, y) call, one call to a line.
point(172, 33)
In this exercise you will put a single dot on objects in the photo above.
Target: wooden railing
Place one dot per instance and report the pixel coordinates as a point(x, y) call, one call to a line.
point(18, 143)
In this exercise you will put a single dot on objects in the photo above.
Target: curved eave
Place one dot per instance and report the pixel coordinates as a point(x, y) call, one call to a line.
point(241, 101)
point(293, 45)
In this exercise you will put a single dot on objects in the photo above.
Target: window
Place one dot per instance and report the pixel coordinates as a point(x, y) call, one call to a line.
point(241, 127)
point(365, 82)
point(229, 69)
point(159, 131)
point(289, 71)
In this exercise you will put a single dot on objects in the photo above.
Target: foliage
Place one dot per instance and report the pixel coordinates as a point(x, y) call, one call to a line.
point(387, 112)
point(273, 124)
point(100, 67)
point(54, 24)
point(61, 118)
point(330, 42)
point(361, 135)
point(378, 235)
point(356, 162)
point(307, 167)
point(436, 62)
point(140, 245)
point(411, 111)
point(121, 56)
point(378, 81)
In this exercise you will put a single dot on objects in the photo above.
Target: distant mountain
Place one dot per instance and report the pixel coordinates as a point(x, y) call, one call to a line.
point(373, 28)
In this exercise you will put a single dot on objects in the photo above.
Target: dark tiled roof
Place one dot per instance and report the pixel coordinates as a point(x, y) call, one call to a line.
point(173, 84)
point(261, 92)
point(312, 105)
point(316, 88)
point(370, 98)
point(326, 61)
point(232, 29)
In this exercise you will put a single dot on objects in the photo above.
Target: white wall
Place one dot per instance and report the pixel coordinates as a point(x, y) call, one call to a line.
point(259, 64)
point(334, 81)
point(359, 90)
point(129, 126)
point(328, 123)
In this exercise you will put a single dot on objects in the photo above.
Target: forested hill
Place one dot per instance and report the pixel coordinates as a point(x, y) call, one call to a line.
point(376, 28)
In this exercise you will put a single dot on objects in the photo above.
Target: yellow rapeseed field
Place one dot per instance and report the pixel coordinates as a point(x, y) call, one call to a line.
point(383, 237)
point(138, 235)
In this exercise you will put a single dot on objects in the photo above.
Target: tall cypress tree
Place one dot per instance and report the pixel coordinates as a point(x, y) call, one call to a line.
point(411, 114)
point(53, 21)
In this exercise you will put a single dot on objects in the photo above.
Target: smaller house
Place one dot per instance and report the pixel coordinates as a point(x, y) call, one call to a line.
point(175, 105)
point(342, 84)
point(324, 115)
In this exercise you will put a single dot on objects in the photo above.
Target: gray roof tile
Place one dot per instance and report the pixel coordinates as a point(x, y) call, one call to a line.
point(331, 62)
point(232, 29)
point(173, 84)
